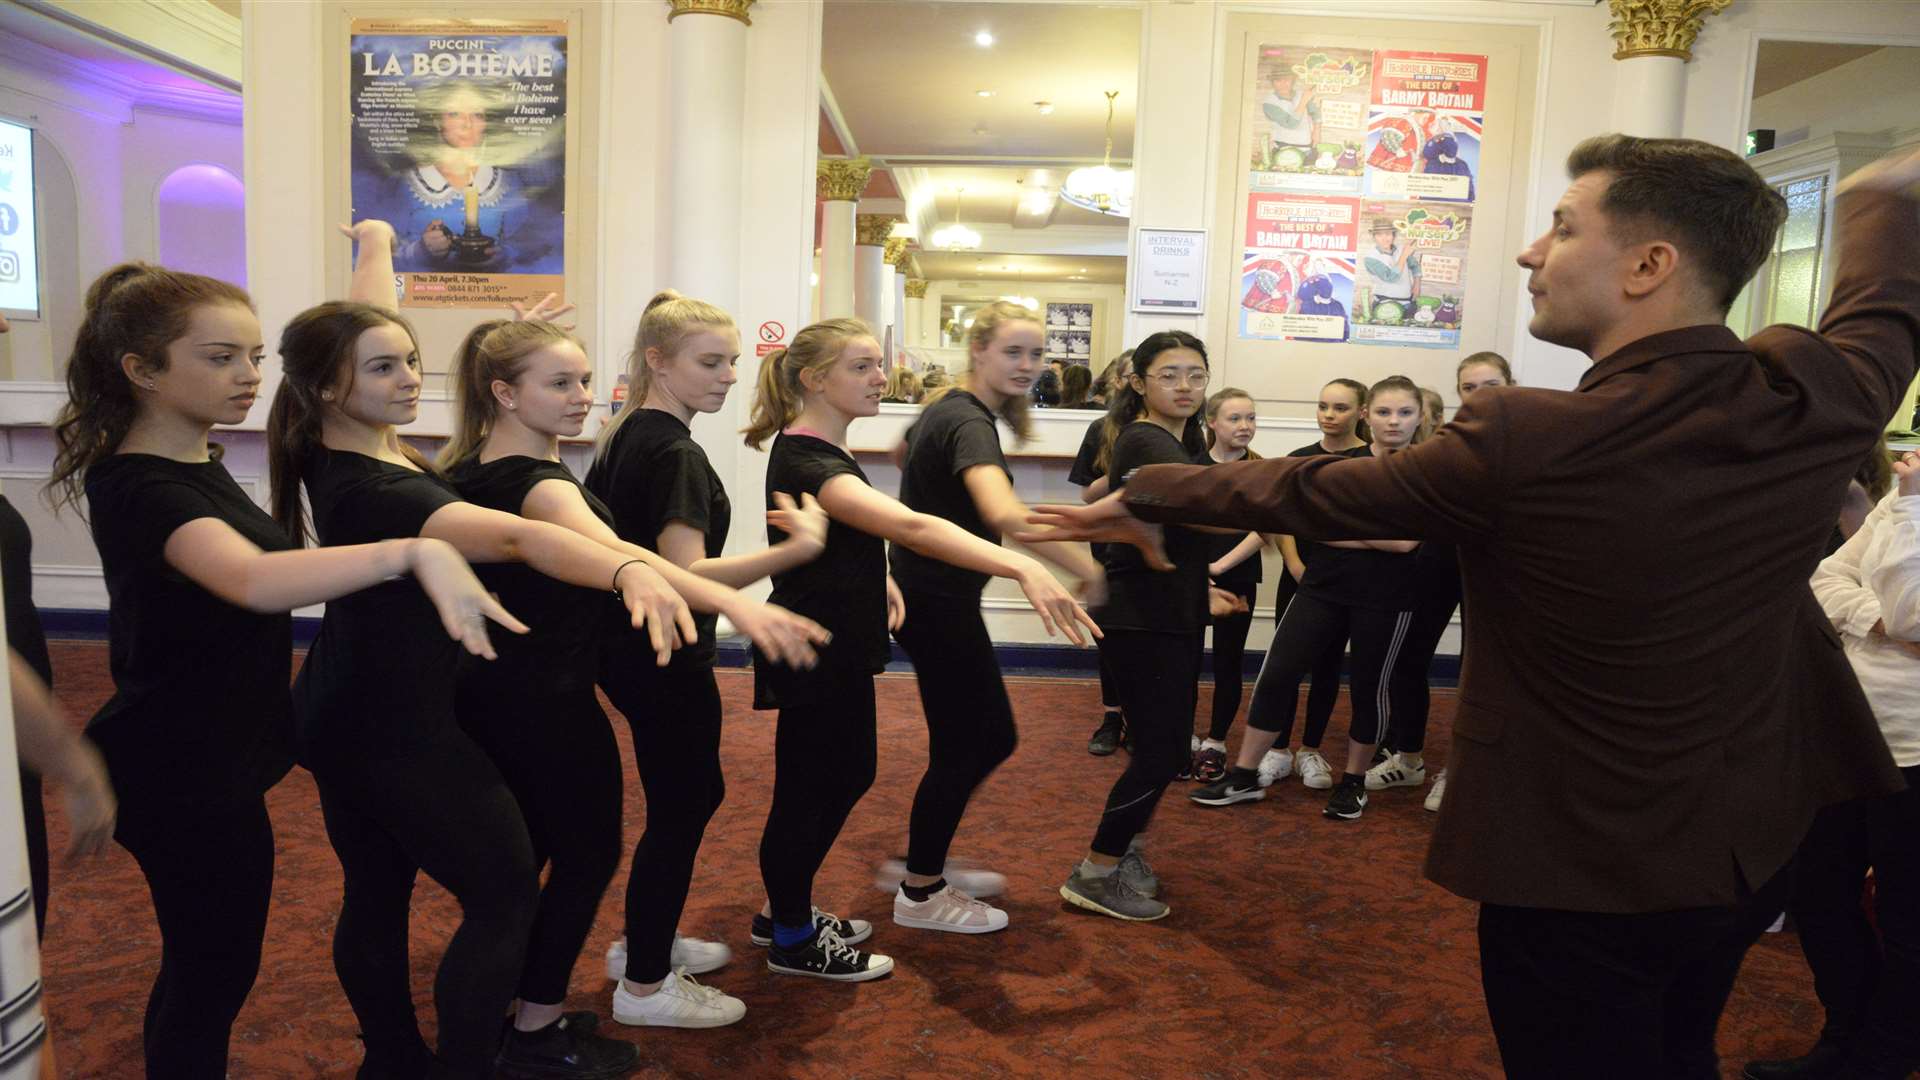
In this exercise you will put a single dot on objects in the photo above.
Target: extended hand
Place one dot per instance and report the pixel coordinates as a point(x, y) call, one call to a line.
point(785, 638)
point(1105, 522)
point(89, 801)
point(548, 309)
point(369, 231)
point(805, 522)
point(463, 603)
point(1057, 608)
point(656, 606)
point(1221, 603)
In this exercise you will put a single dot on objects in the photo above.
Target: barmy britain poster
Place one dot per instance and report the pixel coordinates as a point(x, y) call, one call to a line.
point(459, 133)
point(1364, 172)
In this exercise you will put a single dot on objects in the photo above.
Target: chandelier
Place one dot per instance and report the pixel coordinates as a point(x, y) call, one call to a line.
point(1102, 188)
point(956, 237)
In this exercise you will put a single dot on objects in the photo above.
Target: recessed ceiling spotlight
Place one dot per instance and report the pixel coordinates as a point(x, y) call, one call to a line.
point(984, 39)
point(1045, 107)
point(980, 130)
point(983, 93)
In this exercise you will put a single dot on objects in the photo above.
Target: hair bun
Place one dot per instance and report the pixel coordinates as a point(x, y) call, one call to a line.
point(664, 296)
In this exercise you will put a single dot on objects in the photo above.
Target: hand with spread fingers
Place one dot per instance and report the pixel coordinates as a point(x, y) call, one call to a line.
point(464, 604)
point(1107, 521)
point(785, 638)
point(655, 606)
point(803, 521)
point(547, 309)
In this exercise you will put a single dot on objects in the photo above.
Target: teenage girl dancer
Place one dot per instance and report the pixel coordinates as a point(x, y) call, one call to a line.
point(1089, 473)
point(1358, 589)
point(402, 787)
point(808, 393)
point(1343, 431)
point(199, 582)
point(1437, 596)
point(520, 387)
point(955, 470)
point(1154, 622)
point(1231, 422)
point(664, 495)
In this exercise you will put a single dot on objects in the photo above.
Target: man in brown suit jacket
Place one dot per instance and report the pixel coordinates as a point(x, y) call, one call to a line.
point(1653, 706)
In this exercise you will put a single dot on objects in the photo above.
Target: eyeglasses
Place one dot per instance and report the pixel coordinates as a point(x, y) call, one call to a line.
point(1190, 377)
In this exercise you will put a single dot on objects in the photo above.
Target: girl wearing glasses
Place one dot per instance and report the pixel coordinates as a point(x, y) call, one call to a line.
point(1153, 621)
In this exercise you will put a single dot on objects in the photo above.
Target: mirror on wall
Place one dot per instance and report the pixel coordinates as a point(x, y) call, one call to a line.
point(1004, 162)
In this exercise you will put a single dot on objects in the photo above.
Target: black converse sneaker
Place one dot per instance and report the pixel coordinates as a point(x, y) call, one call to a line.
point(828, 957)
point(851, 931)
point(1349, 798)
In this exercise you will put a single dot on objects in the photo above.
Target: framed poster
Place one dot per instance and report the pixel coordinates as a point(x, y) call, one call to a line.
point(1070, 332)
point(1170, 271)
point(19, 249)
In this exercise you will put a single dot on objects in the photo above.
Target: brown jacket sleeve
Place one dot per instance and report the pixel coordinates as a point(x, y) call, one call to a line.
point(1447, 488)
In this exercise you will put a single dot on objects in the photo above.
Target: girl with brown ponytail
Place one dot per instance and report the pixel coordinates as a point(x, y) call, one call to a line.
point(200, 581)
point(824, 750)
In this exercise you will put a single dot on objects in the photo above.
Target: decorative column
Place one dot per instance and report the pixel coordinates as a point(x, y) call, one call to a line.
point(869, 266)
point(916, 320)
point(706, 98)
point(1654, 41)
point(894, 254)
point(838, 183)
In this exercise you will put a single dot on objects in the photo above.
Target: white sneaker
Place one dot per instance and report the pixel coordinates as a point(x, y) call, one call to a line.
point(1314, 771)
point(1193, 745)
point(1395, 772)
point(962, 874)
point(1275, 765)
point(617, 960)
point(950, 910)
point(697, 956)
point(1436, 793)
point(680, 1002)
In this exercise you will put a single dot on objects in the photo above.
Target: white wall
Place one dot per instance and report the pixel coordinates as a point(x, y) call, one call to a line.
point(1874, 93)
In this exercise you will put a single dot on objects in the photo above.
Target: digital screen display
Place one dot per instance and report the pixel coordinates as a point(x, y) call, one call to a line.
point(19, 261)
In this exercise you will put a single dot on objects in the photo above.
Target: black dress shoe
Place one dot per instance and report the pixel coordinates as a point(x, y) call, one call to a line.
point(1826, 1061)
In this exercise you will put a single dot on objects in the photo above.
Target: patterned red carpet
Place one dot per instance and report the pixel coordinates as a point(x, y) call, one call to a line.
point(1297, 947)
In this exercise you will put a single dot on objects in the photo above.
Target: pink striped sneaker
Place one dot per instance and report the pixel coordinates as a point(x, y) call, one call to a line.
point(950, 910)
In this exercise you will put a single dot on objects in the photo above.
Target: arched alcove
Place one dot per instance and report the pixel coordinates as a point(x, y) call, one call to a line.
point(200, 222)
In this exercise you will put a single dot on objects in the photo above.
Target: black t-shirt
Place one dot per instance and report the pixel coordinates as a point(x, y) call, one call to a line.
point(200, 711)
point(24, 634)
point(1085, 468)
point(844, 590)
point(654, 473)
point(562, 651)
point(1245, 576)
point(1355, 577)
point(954, 435)
point(379, 680)
point(1306, 548)
point(1138, 596)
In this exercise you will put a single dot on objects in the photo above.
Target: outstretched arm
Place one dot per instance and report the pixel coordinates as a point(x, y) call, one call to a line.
point(993, 496)
point(373, 264)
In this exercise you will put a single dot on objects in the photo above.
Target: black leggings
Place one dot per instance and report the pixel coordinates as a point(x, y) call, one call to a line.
point(33, 817)
point(1323, 689)
point(1158, 677)
point(445, 810)
point(675, 718)
point(1407, 733)
point(210, 870)
point(559, 758)
point(1229, 667)
point(1309, 628)
point(969, 719)
point(823, 762)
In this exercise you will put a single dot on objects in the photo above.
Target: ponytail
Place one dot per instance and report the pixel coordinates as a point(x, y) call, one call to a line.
point(778, 395)
point(665, 324)
point(494, 351)
point(134, 308)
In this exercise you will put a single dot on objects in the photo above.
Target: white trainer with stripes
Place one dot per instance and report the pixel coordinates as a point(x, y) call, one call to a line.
point(950, 910)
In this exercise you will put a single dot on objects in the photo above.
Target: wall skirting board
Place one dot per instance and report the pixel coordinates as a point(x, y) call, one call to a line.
point(1016, 658)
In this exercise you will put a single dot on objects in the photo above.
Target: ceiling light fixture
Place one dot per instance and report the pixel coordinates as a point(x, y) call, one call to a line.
point(1102, 188)
point(956, 237)
point(1045, 107)
point(984, 39)
point(983, 93)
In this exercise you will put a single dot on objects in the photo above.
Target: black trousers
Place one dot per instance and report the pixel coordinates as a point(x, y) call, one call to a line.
point(1576, 995)
point(1407, 733)
point(559, 758)
point(1309, 629)
point(1869, 986)
point(823, 762)
point(1158, 677)
point(969, 719)
point(445, 810)
point(210, 872)
point(1229, 667)
point(674, 714)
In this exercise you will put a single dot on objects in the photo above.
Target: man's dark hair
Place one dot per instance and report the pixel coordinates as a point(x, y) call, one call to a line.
point(1702, 197)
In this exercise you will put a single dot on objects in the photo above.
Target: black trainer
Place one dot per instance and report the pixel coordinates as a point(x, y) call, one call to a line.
point(851, 931)
point(1107, 737)
point(828, 957)
point(1349, 798)
point(562, 1050)
point(1240, 785)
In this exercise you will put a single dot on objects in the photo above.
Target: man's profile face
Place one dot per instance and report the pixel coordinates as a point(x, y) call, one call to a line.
point(1577, 270)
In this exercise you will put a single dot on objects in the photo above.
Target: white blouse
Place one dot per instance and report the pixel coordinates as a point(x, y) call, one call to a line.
point(1875, 577)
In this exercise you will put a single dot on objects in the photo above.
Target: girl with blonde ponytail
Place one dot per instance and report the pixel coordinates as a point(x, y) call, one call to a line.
point(664, 495)
point(824, 746)
point(955, 470)
point(200, 582)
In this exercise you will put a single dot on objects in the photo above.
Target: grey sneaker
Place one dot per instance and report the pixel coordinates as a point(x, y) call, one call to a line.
point(1111, 896)
point(1138, 875)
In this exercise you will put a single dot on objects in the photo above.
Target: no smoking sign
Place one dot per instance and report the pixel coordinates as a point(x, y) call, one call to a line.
point(772, 334)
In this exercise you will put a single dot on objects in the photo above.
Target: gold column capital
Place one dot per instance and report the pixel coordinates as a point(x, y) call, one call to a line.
point(916, 288)
point(894, 252)
point(1659, 27)
point(841, 179)
point(874, 229)
point(732, 9)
